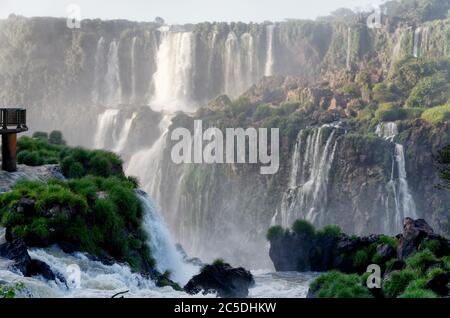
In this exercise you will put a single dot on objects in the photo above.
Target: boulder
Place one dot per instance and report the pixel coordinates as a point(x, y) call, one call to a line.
point(226, 281)
point(414, 231)
point(440, 284)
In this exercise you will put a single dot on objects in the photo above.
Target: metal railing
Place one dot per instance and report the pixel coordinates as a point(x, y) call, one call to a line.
point(13, 120)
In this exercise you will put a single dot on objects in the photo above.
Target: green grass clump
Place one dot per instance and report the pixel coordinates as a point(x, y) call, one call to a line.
point(330, 231)
point(397, 282)
point(337, 285)
point(303, 227)
point(361, 258)
point(274, 232)
point(421, 261)
point(437, 114)
point(389, 112)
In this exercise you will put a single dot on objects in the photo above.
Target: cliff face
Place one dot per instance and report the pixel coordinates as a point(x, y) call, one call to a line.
point(94, 85)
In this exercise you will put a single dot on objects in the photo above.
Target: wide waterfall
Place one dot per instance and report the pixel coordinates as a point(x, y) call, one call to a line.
point(399, 194)
point(112, 77)
point(124, 133)
point(173, 77)
point(100, 62)
point(312, 159)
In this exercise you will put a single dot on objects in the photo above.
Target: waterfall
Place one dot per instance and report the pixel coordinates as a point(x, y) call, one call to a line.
point(173, 77)
point(416, 44)
point(100, 62)
point(105, 126)
point(112, 77)
point(312, 159)
point(133, 70)
point(233, 68)
point(269, 55)
point(349, 48)
point(162, 245)
point(123, 136)
point(248, 59)
point(146, 164)
point(397, 187)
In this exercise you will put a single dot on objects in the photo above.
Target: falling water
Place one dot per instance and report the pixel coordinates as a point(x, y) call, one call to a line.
point(173, 77)
point(162, 245)
point(100, 61)
point(397, 187)
point(133, 70)
point(269, 58)
point(123, 136)
point(248, 59)
point(106, 122)
point(416, 45)
point(112, 77)
point(233, 68)
point(308, 185)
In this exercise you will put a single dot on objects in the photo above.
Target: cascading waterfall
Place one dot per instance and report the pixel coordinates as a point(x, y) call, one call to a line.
point(416, 45)
point(233, 68)
point(306, 196)
point(163, 247)
point(100, 61)
point(123, 136)
point(398, 188)
point(269, 58)
point(112, 77)
point(106, 122)
point(173, 77)
point(133, 69)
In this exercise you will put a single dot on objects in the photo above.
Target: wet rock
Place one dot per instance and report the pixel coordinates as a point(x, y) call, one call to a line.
point(226, 281)
point(414, 231)
point(440, 284)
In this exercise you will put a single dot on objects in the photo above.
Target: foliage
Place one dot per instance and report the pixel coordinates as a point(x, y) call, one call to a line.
point(397, 282)
point(10, 291)
point(274, 232)
point(56, 138)
point(361, 258)
point(421, 261)
point(437, 114)
point(389, 112)
point(219, 262)
point(443, 162)
point(100, 216)
point(303, 227)
point(330, 231)
point(429, 91)
point(337, 285)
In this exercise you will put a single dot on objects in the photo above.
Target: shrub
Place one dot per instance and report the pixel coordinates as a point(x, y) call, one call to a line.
point(430, 91)
point(360, 259)
point(397, 282)
point(421, 261)
point(391, 241)
point(330, 230)
point(337, 285)
point(274, 232)
point(56, 138)
point(40, 135)
point(302, 227)
point(262, 111)
point(437, 114)
point(418, 293)
point(414, 112)
point(430, 244)
point(219, 262)
point(389, 112)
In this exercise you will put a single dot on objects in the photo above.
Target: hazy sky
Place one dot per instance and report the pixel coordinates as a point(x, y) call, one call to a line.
point(183, 11)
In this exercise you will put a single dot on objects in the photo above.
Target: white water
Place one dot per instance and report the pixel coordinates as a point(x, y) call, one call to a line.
point(106, 123)
point(306, 196)
point(146, 164)
point(98, 75)
point(124, 133)
point(269, 55)
point(163, 246)
point(398, 188)
point(112, 77)
point(173, 77)
point(349, 47)
point(416, 45)
point(233, 68)
point(133, 69)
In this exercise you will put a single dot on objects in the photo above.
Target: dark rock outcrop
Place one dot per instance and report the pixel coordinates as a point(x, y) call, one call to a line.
point(226, 281)
point(414, 231)
point(17, 252)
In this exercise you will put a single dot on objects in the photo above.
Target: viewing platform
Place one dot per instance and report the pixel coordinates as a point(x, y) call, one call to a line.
point(12, 122)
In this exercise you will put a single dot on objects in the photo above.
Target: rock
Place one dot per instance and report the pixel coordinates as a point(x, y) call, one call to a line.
point(26, 206)
point(440, 284)
point(226, 281)
point(414, 231)
point(386, 252)
point(17, 252)
point(220, 103)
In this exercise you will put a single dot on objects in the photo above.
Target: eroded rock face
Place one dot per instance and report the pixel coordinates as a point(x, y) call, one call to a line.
point(414, 231)
point(226, 281)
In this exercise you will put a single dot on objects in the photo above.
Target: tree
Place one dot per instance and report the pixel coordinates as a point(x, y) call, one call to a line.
point(56, 138)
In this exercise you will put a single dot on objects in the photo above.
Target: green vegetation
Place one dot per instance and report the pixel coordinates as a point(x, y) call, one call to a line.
point(10, 291)
point(274, 232)
point(397, 282)
point(101, 216)
point(437, 114)
point(337, 285)
point(389, 112)
point(74, 162)
point(219, 262)
point(302, 227)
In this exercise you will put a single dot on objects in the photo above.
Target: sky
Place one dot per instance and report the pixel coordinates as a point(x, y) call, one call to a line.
point(184, 11)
